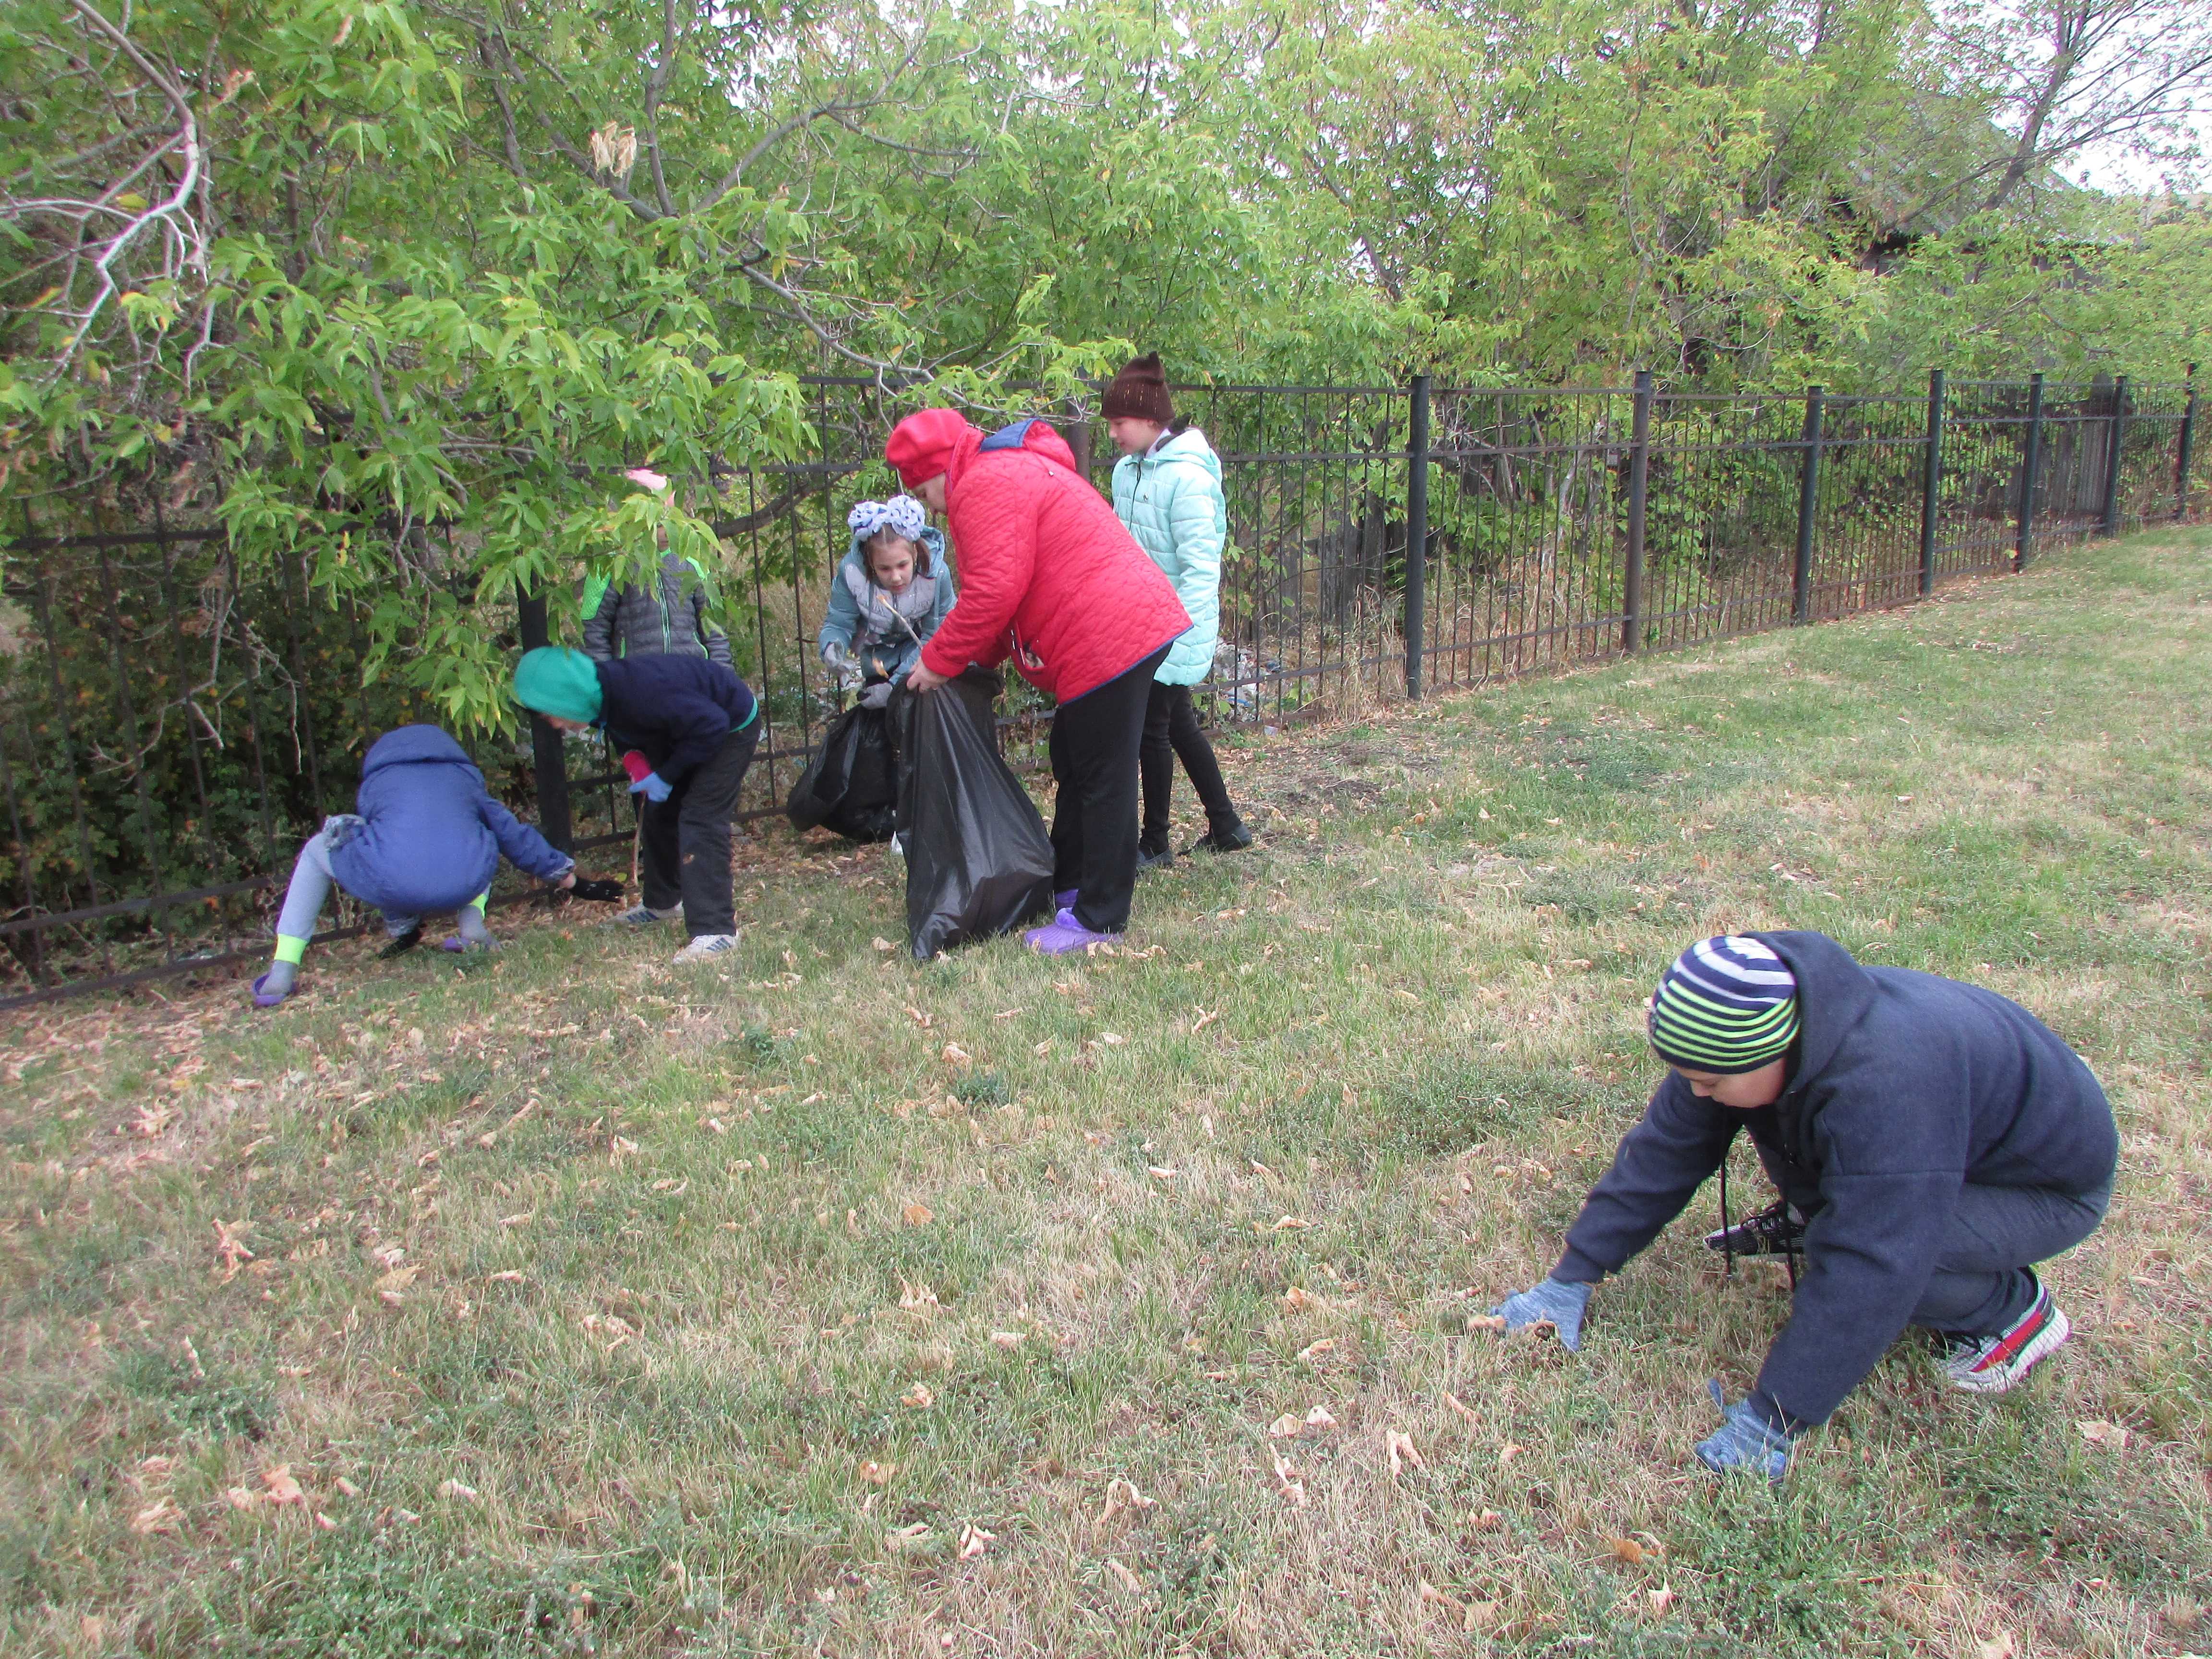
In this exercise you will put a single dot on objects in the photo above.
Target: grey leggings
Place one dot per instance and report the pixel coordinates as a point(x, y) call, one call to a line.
point(312, 881)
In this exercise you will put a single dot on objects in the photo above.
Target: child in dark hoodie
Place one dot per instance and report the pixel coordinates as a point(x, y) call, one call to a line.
point(689, 726)
point(425, 836)
point(1936, 1140)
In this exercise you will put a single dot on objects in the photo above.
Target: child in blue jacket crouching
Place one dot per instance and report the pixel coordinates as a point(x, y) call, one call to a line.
point(425, 836)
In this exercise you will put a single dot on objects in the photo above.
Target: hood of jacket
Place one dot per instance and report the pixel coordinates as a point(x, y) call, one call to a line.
point(1834, 996)
point(1188, 448)
point(553, 679)
point(412, 745)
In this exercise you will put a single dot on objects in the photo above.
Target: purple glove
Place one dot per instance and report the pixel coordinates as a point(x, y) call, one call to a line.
point(652, 786)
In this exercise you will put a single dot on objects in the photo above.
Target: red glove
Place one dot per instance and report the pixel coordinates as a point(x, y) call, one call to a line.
point(637, 766)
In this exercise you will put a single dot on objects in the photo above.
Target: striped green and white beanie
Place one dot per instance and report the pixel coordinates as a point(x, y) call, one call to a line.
point(1728, 1005)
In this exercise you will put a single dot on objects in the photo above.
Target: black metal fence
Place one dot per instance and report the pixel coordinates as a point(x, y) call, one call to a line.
point(172, 719)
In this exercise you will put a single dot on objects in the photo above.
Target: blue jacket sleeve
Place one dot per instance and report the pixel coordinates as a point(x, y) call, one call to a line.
point(1678, 1142)
point(699, 728)
point(1198, 520)
point(525, 848)
point(943, 603)
point(843, 619)
point(1890, 1175)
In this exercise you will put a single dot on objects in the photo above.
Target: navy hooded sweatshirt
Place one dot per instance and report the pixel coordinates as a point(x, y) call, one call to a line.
point(676, 711)
point(432, 833)
point(1905, 1088)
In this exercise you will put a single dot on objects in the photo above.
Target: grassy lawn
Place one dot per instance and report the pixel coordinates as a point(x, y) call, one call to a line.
point(832, 1303)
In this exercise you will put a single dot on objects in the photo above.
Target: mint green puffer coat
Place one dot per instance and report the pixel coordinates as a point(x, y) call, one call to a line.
point(1171, 501)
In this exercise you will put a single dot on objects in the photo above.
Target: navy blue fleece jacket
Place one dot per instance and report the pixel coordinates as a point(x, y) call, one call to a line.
point(1905, 1087)
point(675, 711)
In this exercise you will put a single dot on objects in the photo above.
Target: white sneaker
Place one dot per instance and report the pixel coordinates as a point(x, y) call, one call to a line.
point(640, 915)
point(707, 947)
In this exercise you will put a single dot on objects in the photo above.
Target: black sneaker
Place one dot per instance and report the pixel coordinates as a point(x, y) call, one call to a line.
point(1232, 837)
point(401, 944)
point(1154, 858)
point(1770, 1231)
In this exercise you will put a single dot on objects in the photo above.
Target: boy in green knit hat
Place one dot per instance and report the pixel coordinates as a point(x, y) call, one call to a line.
point(689, 726)
point(1932, 1142)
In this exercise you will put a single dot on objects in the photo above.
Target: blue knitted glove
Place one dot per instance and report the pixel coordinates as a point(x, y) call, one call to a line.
point(1560, 1302)
point(653, 786)
point(1746, 1441)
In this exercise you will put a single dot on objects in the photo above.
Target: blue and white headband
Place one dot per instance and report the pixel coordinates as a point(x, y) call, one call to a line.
point(901, 514)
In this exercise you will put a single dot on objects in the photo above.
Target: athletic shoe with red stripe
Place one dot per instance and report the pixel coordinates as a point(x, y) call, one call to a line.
point(1991, 1365)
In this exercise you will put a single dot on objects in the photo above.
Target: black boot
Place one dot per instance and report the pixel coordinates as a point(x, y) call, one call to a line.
point(1229, 837)
point(1153, 855)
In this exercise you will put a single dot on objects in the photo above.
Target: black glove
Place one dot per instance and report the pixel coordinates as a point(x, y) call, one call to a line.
point(598, 890)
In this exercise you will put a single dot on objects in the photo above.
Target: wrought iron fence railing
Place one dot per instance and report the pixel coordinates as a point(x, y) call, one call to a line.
point(173, 718)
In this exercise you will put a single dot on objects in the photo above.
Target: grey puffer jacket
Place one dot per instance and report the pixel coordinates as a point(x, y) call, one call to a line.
point(666, 620)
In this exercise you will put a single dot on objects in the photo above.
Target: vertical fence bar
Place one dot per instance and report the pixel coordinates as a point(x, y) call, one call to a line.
point(1417, 533)
point(1931, 482)
point(2108, 513)
point(2187, 442)
point(549, 760)
point(1808, 496)
point(2031, 460)
point(1639, 487)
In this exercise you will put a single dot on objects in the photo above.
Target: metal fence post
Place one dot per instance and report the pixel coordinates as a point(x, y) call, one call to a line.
point(1808, 494)
point(2181, 455)
point(2108, 517)
point(1931, 482)
point(2031, 460)
point(1639, 486)
point(550, 762)
point(1417, 533)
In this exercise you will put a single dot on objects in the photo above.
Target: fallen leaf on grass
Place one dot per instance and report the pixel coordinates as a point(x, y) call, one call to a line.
point(1298, 1297)
point(1401, 1450)
point(916, 1299)
point(1121, 1495)
point(882, 944)
point(280, 1486)
point(1286, 1474)
point(1314, 1351)
point(160, 1515)
point(1488, 1521)
point(1285, 1427)
point(917, 1215)
point(1460, 1407)
point(391, 1283)
point(1486, 1323)
point(457, 1489)
point(1507, 1453)
point(1661, 1598)
point(908, 1537)
point(1319, 1418)
point(1128, 1580)
point(388, 1255)
point(230, 1245)
point(241, 1498)
point(1628, 1550)
point(878, 1475)
point(956, 1055)
point(1483, 1616)
point(1161, 1171)
point(1290, 1221)
point(508, 1276)
point(1999, 1646)
point(1006, 1339)
point(2098, 1433)
point(919, 1397)
point(1432, 1596)
point(974, 1540)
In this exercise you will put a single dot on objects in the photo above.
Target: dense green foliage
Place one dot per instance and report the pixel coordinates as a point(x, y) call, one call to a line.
point(405, 285)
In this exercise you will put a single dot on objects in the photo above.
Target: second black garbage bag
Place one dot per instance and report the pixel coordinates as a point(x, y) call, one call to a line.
point(978, 860)
point(849, 786)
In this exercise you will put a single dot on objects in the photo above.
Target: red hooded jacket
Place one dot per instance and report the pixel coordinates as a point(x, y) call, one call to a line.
point(1048, 574)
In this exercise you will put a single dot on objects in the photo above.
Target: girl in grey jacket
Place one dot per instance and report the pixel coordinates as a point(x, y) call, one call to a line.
point(890, 593)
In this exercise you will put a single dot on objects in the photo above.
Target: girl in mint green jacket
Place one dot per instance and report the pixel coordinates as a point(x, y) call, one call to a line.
point(1167, 490)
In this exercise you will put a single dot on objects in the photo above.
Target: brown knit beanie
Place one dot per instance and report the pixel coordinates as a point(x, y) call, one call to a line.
point(1140, 391)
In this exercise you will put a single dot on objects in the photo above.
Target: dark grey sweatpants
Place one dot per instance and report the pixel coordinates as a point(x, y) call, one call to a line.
point(1981, 1284)
point(685, 844)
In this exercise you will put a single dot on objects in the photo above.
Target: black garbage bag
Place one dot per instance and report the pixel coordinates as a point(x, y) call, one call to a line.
point(978, 862)
point(851, 784)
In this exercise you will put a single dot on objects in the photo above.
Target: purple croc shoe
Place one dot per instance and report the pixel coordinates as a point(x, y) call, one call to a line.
point(1064, 936)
